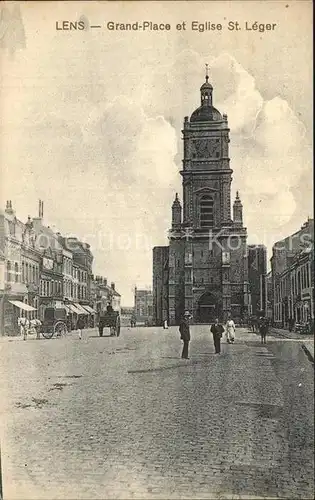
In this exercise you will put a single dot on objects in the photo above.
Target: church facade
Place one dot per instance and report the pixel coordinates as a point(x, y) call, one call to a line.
point(206, 260)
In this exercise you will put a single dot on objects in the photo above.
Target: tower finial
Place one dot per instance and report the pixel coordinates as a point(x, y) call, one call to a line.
point(207, 72)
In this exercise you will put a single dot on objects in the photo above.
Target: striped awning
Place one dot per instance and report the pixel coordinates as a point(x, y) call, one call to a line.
point(21, 305)
point(80, 308)
point(89, 309)
point(73, 309)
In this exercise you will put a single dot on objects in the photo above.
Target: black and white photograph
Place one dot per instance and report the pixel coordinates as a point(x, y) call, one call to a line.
point(156, 250)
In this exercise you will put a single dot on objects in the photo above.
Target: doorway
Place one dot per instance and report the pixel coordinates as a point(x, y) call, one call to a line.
point(208, 309)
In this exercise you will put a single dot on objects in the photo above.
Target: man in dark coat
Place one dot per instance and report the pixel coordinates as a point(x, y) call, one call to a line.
point(184, 331)
point(263, 329)
point(217, 331)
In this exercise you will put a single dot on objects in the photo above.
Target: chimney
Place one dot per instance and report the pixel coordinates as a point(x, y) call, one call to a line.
point(112, 285)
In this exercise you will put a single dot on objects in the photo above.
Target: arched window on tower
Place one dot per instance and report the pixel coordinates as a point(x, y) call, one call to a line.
point(206, 211)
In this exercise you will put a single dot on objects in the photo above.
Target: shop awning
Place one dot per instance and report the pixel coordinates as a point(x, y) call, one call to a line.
point(73, 309)
point(21, 305)
point(80, 308)
point(89, 309)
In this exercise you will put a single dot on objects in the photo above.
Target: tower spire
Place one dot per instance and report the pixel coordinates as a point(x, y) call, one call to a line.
point(207, 72)
point(176, 213)
point(238, 211)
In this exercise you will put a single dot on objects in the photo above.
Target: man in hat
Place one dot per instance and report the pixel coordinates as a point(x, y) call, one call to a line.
point(217, 330)
point(184, 331)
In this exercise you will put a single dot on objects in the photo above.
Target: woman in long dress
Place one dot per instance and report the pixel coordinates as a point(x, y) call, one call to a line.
point(230, 330)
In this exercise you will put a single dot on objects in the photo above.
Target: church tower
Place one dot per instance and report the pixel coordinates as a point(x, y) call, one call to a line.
point(207, 249)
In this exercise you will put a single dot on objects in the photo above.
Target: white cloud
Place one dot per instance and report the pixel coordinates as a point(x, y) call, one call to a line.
point(110, 166)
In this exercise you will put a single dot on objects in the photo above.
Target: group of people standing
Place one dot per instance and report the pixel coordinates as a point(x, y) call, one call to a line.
point(217, 329)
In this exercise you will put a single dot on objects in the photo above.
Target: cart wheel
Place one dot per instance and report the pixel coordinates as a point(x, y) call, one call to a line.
point(118, 327)
point(60, 329)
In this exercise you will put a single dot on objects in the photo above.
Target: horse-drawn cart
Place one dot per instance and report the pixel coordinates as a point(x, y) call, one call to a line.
point(55, 322)
point(110, 320)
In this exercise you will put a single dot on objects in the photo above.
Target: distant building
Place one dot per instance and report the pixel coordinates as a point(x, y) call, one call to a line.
point(269, 309)
point(144, 306)
point(257, 270)
point(103, 295)
point(160, 285)
point(292, 267)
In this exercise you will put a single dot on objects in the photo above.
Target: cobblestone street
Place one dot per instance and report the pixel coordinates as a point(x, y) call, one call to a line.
point(127, 418)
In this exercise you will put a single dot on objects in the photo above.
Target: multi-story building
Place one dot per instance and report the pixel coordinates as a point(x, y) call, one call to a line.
point(81, 269)
point(143, 306)
point(103, 295)
point(269, 308)
point(20, 263)
point(257, 270)
point(292, 267)
point(115, 298)
point(31, 267)
point(51, 274)
point(39, 269)
point(160, 285)
point(208, 270)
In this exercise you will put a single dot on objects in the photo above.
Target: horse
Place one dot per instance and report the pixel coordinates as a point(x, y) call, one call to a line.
point(24, 325)
point(35, 325)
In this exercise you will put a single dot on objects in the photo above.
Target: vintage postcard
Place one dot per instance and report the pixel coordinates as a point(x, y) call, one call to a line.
point(156, 250)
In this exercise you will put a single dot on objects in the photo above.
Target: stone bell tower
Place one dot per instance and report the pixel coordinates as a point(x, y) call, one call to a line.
point(207, 263)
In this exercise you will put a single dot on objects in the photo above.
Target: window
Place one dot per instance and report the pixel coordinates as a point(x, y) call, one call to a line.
point(206, 211)
point(299, 282)
point(8, 271)
point(308, 275)
point(16, 270)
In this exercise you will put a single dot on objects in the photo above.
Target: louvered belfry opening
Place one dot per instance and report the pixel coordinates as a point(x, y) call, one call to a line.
point(206, 211)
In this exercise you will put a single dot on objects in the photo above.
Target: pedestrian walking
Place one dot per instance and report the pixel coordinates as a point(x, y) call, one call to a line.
point(184, 331)
point(263, 329)
point(80, 326)
point(217, 330)
point(291, 324)
point(230, 330)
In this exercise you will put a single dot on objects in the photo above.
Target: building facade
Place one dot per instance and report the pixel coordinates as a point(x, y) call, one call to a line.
point(143, 306)
point(257, 271)
point(20, 271)
point(292, 268)
point(40, 269)
point(207, 269)
point(103, 295)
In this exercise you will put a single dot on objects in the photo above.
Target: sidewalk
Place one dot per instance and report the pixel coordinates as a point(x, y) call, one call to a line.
point(307, 341)
point(32, 336)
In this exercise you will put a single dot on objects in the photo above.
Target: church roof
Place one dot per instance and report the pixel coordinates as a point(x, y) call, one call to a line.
point(205, 114)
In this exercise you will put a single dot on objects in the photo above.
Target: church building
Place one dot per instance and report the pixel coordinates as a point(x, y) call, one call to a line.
point(206, 260)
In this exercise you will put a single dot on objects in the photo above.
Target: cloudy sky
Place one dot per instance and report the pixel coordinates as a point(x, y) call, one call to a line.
point(91, 120)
